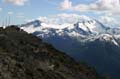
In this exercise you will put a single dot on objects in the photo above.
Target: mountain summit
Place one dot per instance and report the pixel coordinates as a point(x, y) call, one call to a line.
point(88, 27)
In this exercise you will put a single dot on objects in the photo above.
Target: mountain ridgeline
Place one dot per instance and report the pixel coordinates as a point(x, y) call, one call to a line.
point(90, 41)
point(24, 56)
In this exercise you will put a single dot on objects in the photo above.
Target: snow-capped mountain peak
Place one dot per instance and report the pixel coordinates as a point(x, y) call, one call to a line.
point(89, 26)
point(88, 29)
point(107, 38)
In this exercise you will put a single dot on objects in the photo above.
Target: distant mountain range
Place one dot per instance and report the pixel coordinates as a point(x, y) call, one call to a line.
point(88, 40)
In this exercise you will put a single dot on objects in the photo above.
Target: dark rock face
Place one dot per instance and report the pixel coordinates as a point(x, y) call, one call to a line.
point(24, 56)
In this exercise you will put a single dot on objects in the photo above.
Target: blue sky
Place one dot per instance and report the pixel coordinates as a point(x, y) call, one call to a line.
point(22, 10)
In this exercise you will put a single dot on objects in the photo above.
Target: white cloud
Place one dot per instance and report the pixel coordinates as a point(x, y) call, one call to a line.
point(66, 4)
point(16, 2)
point(63, 18)
point(43, 19)
point(109, 21)
point(112, 6)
